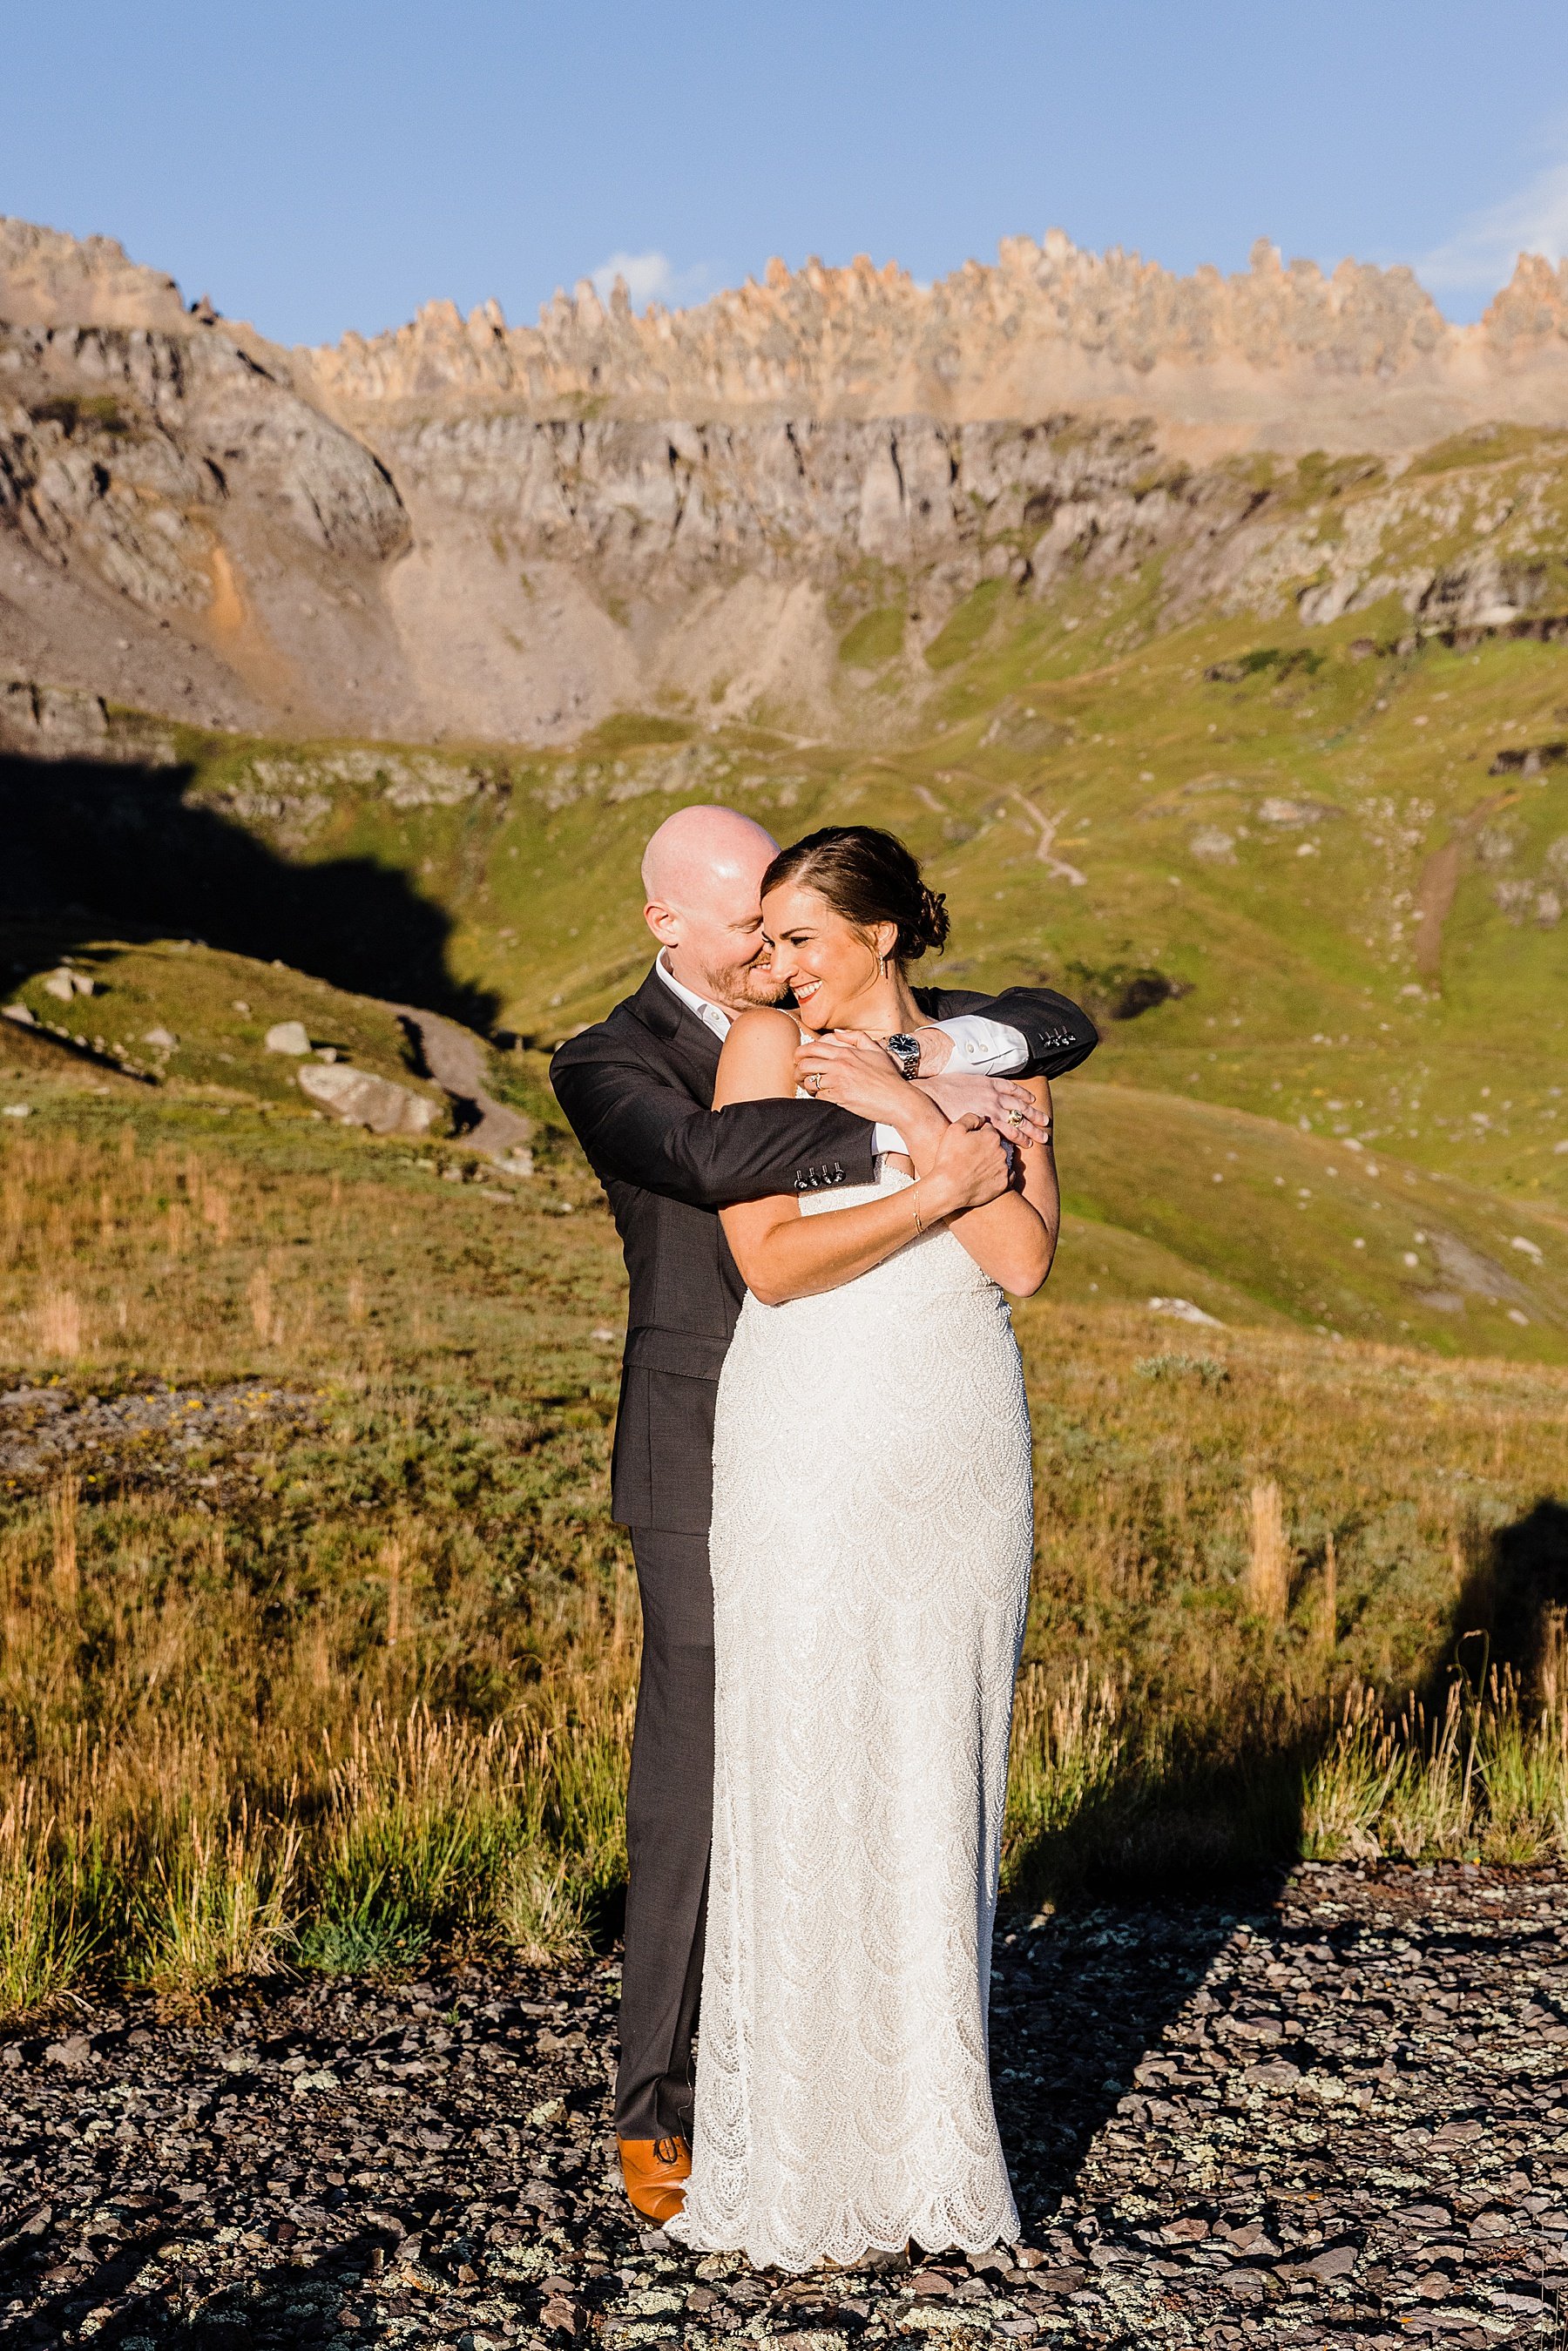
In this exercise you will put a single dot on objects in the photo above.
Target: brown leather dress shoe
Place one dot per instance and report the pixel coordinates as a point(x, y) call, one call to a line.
point(655, 2171)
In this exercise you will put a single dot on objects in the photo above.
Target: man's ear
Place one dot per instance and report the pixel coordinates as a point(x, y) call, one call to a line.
point(663, 922)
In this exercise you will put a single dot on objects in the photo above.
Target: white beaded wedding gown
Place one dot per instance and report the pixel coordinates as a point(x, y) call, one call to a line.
point(871, 1539)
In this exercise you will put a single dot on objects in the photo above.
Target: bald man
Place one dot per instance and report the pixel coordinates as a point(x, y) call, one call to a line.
point(638, 1089)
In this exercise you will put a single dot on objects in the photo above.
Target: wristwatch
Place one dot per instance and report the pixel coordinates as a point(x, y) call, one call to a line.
point(905, 1051)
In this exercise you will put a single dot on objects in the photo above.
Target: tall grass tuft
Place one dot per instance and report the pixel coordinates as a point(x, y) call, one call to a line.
point(63, 1501)
point(543, 1911)
point(211, 1902)
point(419, 1819)
point(1067, 1749)
point(439, 1834)
point(1484, 1777)
point(258, 1295)
point(48, 1937)
point(1268, 1556)
point(1328, 1600)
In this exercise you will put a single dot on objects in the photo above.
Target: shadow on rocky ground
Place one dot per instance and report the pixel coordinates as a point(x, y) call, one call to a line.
point(93, 847)
point(1337, 2116)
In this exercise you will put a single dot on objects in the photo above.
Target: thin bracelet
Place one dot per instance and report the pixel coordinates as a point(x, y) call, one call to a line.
point(915, 1205)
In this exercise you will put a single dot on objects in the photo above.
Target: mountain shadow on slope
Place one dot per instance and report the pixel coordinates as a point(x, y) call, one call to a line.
point(94, 848)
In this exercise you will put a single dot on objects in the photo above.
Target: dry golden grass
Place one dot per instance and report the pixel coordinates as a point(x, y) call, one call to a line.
point(1269, 1558)
point(370, 1690)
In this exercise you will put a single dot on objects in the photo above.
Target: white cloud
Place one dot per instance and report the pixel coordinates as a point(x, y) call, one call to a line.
point(649, 277)
point(1481, 256)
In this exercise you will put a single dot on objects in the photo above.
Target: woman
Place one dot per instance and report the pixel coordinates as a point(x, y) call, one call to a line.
point(871, 1549)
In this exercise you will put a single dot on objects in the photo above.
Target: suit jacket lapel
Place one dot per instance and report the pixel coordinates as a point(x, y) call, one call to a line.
point(688, 1042)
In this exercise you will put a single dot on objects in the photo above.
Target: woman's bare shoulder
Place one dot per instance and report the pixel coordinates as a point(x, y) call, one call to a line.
point(761, 1021)
point(758, 1057)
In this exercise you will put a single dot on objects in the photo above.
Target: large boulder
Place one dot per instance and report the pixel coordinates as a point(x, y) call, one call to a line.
point(358, 1099)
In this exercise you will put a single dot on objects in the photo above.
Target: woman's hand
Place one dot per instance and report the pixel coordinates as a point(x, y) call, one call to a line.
point(855, 1071)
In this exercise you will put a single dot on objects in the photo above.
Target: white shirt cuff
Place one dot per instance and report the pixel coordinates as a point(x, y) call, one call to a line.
point(885, 1139)
point(983, 1047)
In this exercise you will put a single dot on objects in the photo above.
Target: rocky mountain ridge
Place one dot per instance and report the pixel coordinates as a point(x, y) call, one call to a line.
point(1280, 357)
point(1046, 326)
point(476, 531)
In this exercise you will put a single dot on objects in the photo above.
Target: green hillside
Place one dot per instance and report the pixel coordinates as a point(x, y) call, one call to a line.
point(172, 1010)
point(1252, 1221)
point(1243, 1219)
point(1316, 875)
point(1359, 924)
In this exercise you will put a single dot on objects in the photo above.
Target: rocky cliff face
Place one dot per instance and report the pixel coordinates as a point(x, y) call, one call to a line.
point(480, 531)
point(179, 528)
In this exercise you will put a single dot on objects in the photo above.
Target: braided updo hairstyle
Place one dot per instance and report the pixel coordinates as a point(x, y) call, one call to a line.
point(868, 877)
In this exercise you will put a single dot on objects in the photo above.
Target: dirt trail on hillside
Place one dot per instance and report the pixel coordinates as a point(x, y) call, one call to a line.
point(454, 1058)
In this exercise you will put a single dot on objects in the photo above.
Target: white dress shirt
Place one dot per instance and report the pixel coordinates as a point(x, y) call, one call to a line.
point(982, 1048)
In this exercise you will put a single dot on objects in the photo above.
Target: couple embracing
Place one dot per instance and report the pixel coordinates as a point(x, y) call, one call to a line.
point(824, 1182)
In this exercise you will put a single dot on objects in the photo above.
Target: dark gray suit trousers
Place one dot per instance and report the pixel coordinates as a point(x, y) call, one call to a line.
point(669, 1821)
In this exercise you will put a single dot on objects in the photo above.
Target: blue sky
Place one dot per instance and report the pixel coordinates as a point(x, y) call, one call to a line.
point(327, 166)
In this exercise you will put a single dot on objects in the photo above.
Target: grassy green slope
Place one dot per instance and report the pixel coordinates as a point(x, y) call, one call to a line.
point(1264, 1222)
point(214, 1009)
point(1244, 1218)
point(1263, 844)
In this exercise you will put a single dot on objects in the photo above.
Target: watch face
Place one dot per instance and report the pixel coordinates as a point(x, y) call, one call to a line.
point(905, 1051)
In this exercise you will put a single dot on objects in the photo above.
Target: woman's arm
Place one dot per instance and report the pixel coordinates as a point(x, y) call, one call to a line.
point(782, 1254)
point(1013, 1238)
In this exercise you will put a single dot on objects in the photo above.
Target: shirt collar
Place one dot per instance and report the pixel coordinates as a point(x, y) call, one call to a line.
point(710, 1015)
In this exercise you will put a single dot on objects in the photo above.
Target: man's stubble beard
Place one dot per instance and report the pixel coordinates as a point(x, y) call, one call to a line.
point(761, 987)
point(736, 990)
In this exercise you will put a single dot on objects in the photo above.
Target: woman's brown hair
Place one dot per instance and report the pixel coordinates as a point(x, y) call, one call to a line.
point(868, 877)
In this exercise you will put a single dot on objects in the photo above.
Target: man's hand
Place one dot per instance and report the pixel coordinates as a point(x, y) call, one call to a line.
point(1011, 1108)
point(970, 1168)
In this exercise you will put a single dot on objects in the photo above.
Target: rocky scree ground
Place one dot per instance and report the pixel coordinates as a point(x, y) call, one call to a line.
point(1332, 2116)
point(188, 1440)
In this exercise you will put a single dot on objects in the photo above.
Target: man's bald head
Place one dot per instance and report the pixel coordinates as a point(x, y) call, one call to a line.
point(697, 847)
point(702, 876)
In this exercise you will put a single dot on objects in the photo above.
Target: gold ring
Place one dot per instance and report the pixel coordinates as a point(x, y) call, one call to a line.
point(1015, 1118)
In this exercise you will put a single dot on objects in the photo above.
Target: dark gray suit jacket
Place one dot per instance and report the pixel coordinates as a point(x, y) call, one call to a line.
point(638, 1089)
